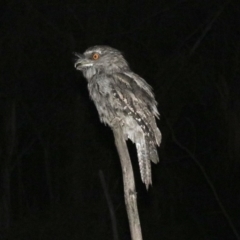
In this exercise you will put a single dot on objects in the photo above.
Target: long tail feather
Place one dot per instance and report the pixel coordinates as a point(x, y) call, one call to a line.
point(144, 163)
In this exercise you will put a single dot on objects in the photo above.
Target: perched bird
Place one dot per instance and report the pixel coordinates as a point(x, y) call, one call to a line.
point(123, 99)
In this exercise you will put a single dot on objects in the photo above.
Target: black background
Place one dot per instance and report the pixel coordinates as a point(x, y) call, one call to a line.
point(53, 145)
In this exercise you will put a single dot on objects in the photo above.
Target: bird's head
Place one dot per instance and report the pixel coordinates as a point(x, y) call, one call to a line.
point(100, 59)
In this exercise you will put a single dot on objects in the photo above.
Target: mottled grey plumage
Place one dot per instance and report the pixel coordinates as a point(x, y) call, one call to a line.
point(123, 99)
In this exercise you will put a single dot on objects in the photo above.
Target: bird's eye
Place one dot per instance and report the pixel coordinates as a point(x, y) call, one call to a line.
point(95, 56)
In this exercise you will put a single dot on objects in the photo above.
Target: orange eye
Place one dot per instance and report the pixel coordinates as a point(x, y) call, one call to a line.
point(95, 56)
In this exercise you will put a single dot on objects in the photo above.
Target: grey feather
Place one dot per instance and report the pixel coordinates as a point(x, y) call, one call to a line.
point(123, 98)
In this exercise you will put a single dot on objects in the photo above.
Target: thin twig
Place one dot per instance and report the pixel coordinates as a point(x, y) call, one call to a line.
point(208, 180)
point(208, 28)
point(110, 205)
point(129, 185)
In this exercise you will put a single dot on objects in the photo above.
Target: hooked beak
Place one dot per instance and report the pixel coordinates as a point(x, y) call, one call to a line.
point(82, 62)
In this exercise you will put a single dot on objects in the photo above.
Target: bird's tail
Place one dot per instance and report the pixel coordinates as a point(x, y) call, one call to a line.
point(144, 162)
point(147, 152)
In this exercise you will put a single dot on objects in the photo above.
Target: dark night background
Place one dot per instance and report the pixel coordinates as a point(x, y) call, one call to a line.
point(53, 145)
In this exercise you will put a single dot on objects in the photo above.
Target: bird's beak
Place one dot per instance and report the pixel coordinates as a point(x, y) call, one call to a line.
point(82, 62)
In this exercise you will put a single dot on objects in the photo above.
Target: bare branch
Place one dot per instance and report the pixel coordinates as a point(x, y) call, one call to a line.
point(129, 185)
